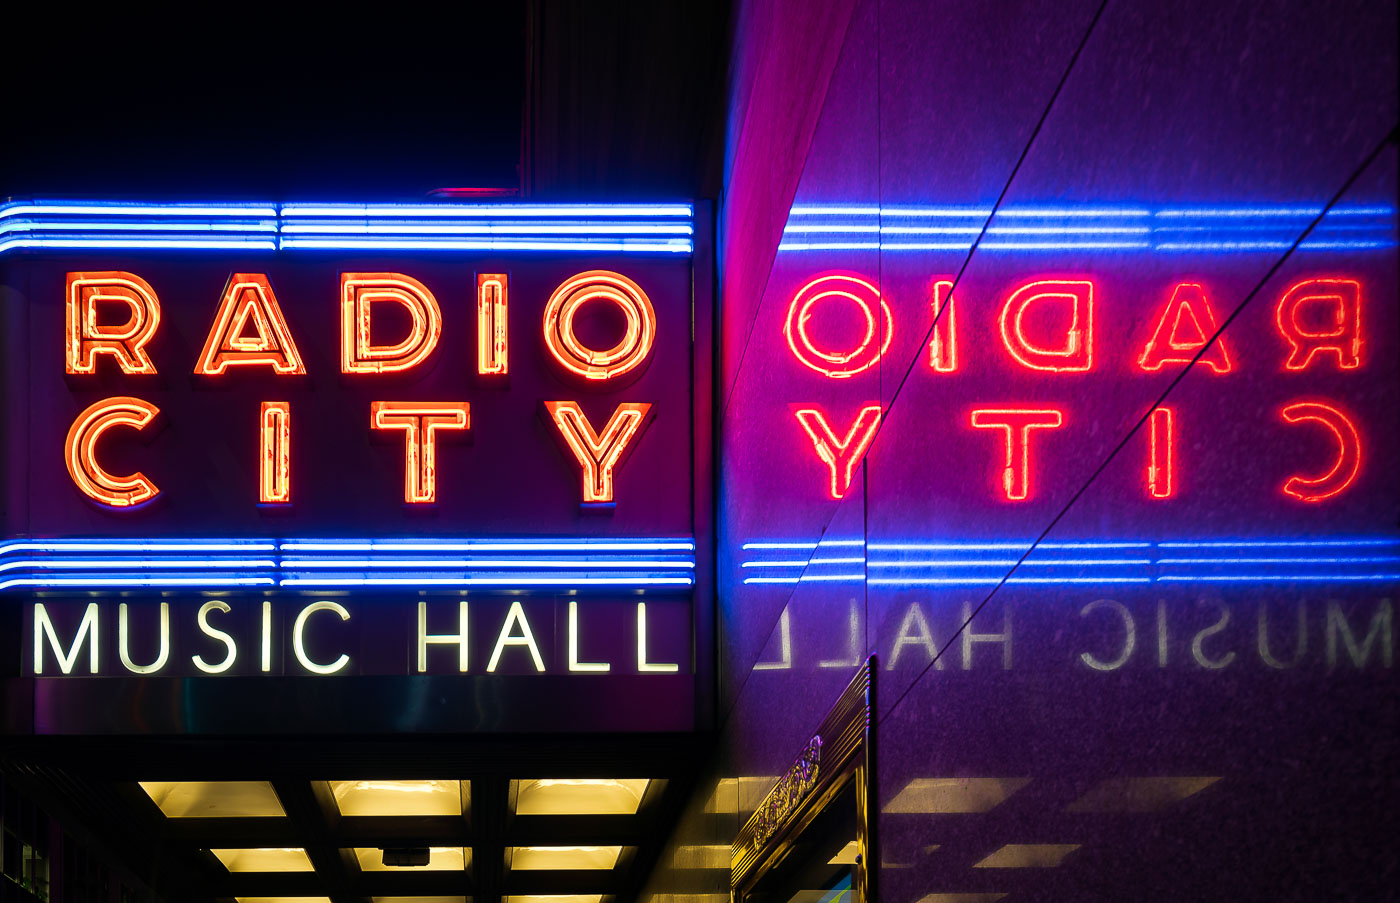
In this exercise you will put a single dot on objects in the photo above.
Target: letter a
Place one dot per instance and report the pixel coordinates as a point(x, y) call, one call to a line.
point(1187, 323)
point(248, 302)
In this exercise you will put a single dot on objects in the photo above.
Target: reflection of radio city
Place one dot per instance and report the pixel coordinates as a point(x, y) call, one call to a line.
point(249, 330)
point(1047, 326)
point(1108, 635)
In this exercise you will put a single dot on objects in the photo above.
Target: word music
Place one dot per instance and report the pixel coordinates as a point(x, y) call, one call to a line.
point(1317, 319)
point(249, 330)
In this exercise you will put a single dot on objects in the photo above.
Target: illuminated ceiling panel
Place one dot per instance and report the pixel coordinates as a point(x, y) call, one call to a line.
point(1139, 794)
point(265, 859)
point(419, 899)
point(1028, 856)
point(944, 795)
point(216, 799)
point(554, 898)
point(548, 858)
point(550, 796)
point(283, 899)
point(846, 855)
point(440, 859)
point(379, 798)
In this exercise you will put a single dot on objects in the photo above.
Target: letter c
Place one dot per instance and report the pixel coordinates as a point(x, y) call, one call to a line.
point(80, 452)
point(1348, 463)
point(299, 627)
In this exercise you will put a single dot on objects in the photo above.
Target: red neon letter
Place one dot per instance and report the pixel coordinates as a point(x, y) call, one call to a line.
point(1348, 463)
point(1161, 461)
point(1344, 297)
point(491, 336)
point(943, 347)
point(248, 300)
point(841, 455)
point(85, 338)
point(839, 364)
point(603, 285)
point(599, 455)
point(419, 420)
point(358, 353)
point(1078, 351)
point(275, 454)
point(1016, 424)
point(80, 452)
point(1171, 344)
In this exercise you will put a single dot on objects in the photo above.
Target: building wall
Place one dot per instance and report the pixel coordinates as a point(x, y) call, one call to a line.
point(1179, 697)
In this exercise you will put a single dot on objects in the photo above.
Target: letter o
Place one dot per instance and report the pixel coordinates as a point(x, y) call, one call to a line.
point(589, 363)
point(838, 364)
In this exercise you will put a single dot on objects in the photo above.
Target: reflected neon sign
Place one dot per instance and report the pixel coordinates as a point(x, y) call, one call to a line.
point(1046, 326)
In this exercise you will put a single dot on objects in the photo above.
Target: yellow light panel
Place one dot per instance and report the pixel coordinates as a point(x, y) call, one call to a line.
point(945, 795)
point(440, 859)
point(398, 797)
point(701, 856)
point(419, 899)
point(550, 858)
point(555, 898)
point(265, 859)
point(846, 855)
point(214, 799)
point(1139, 794)
point(558, 796)
point(1028, 856)
point(283, 899)
point(733, 795)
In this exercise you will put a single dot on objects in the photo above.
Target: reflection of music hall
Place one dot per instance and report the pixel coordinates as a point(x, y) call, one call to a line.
point(981, 490)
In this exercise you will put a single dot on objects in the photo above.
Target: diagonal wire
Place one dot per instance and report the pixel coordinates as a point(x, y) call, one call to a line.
point(1264, 280)
point(1025, 152)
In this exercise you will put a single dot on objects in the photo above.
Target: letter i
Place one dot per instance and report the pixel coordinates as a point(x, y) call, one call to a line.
point(1161, 465)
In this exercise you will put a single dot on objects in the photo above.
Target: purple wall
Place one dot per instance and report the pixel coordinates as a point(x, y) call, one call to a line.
point(1184, 697)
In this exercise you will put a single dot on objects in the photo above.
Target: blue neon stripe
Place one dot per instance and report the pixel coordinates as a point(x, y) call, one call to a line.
point(440, 226)
point(1088, 228)
point(964, 563)
point(582, 562)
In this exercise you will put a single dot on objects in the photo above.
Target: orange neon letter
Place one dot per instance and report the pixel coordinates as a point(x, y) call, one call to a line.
point(491, 335)
point(1348, 463)
point(275, 454)
point(870, 348)
point(358, 292)
point(419, 420)
point(599, 455)
point(1016, 424)
point(1186, 325)
point(248, 301)
point(1161, 454)
point(840, 455)
point(1077, 353)
point(85, 338)
point(1343, 338)
point(637, 338)
point(943, 347)
point(80, 452)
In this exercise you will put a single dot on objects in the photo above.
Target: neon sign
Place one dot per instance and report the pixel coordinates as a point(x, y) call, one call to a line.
point(316, 638)
point(348, 376)
point(250, 329)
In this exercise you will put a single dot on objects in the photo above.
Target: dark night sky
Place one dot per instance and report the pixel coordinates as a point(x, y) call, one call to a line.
point(263, 106)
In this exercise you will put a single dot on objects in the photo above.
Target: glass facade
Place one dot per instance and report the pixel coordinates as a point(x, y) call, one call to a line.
point(1017, 309)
